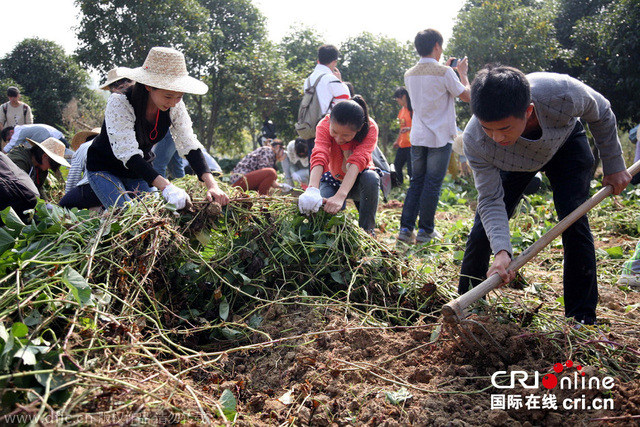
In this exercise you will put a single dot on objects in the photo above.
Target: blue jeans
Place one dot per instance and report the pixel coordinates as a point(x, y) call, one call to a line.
point(403, 155)
point(115, 191)
point(365, 193)
point(429, 167)
point(569, 172)
point(167, 157)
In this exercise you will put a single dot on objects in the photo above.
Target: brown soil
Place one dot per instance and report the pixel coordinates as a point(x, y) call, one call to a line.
point(320, 366)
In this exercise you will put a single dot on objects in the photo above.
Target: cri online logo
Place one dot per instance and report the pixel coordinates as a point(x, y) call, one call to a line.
point(550, 381)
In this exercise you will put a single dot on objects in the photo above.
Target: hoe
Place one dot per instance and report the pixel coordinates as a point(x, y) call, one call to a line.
point(455, 312)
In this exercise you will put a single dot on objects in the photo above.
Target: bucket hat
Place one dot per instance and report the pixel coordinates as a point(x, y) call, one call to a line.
point(80, 137)
point(165, 68)
point(54, 148)
point(114, 75)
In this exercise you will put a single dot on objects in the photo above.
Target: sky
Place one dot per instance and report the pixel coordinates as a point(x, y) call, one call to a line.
point(336, 21)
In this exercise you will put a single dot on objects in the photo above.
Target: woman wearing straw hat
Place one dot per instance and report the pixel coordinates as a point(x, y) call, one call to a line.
point(119, 159)
point(38, 160)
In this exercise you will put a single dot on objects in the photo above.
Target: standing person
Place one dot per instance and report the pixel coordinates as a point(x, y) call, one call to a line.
point(403, 142)
point(257, 170)
point(341, 165)
point(15, 112)
point(522, 125)
point(38, 160)
point(330, 88)
point(432, 89)
point(118, 160)
point(296, 163)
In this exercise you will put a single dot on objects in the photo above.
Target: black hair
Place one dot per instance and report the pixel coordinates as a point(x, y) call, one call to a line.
point(426, 40)
point(138, 96)
point(402, 91)
point(499, 92)
point(38, 152)
point(120, 84)
point(327, 53)
point(301, 147)
point(353, 113)
point(5, 132)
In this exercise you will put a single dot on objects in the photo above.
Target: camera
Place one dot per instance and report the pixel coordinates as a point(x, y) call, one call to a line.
point(454, 63)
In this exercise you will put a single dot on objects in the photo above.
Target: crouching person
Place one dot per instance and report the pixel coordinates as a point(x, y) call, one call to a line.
point(16, 188)
point(341, 163)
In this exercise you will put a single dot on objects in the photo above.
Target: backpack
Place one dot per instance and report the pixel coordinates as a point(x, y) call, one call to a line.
point(386, 171)
point(309, 113)
point(5, 108)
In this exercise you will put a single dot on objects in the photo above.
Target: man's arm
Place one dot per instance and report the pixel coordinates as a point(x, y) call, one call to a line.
point(463, 69)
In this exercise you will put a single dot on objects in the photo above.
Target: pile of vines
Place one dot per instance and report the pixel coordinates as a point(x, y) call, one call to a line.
point(91, 304)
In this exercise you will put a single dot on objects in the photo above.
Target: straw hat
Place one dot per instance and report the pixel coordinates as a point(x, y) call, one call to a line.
point(114, 75)
point(54, 148)
point(80, 137)
point(165, 68)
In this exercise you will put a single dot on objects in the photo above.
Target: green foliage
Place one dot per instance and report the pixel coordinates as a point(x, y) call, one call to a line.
point(120, 33)
point(300, 49)
point(511, 32)
point(607, 45)
point(49, 76)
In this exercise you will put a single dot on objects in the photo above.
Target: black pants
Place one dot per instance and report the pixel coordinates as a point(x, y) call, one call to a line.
point(81, 197)
point(403, 155)
point(569, 172)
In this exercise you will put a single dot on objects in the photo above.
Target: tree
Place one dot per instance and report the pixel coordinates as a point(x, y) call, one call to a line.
point(300, 49)
point(263, 88)
point(235, 27)
point(375, 65)
point(49, 76)
point(519, 33)
point(608, 47)
point(121, 32)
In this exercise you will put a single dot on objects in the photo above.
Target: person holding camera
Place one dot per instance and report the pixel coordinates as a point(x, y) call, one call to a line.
point(432, 89)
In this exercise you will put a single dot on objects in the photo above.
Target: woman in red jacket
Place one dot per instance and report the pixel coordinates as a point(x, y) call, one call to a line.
point(341, 165)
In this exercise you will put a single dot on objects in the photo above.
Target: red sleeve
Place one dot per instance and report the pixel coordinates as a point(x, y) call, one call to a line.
point(322, 149)
point(361, 156)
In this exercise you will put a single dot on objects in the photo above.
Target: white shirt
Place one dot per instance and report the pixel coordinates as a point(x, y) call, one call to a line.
point(329, 90)
point(432, 89)
point(78, 172)
point(37, 132)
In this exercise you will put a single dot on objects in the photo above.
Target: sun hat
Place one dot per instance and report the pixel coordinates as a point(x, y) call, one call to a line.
point(80, 137)
point(54, 148)
point(165, 68)
point(114, 75)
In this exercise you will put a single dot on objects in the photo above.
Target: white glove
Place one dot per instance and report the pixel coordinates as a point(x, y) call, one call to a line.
point(286, 188)
point(176, 196)
point(296, 177)
point(310, 201)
